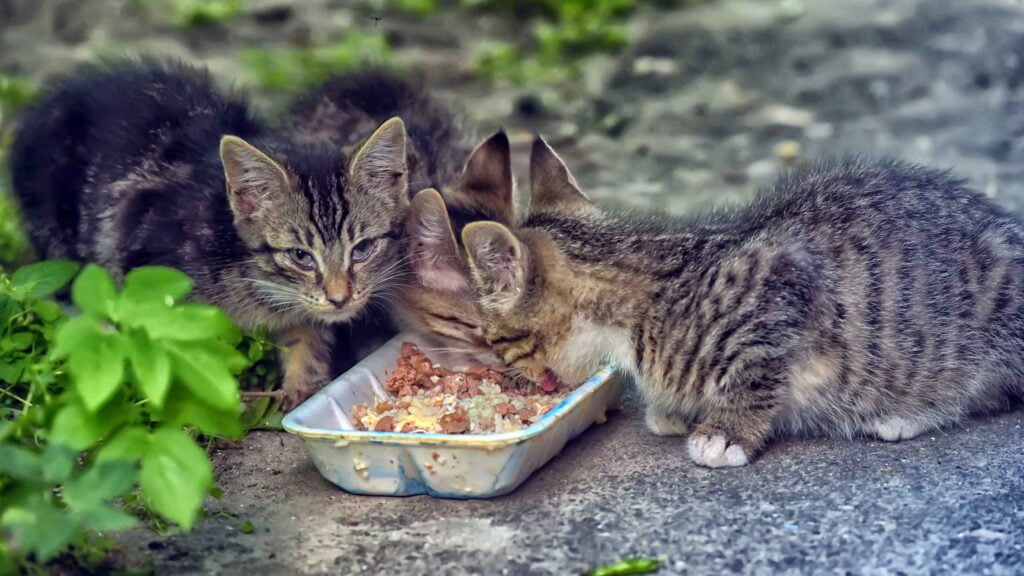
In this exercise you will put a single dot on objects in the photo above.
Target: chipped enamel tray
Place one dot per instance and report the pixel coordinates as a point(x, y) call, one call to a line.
point(442, 465)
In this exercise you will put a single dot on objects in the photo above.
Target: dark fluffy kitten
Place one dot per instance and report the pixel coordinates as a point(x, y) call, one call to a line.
point(851, 298)
point(135, 164)
point(346, 109)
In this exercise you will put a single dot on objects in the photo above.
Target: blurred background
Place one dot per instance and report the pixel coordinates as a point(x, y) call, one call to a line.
point(675, 105)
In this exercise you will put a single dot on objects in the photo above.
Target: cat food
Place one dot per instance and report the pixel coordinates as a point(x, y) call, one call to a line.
point(429, 398)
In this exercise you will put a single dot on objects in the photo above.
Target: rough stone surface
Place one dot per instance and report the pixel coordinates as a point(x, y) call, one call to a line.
point(946, 503)
point(707, 105)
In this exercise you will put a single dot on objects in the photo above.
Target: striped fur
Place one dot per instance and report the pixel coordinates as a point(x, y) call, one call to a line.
point(119, 164)
point(438, 301)
point(851, 298)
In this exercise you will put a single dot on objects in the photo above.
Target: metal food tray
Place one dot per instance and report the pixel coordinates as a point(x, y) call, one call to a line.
point(442, 465)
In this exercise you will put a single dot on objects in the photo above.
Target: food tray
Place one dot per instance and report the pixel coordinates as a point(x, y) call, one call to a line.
point(442, 465)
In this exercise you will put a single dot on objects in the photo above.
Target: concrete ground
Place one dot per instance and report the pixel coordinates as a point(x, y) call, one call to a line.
point(946, 503)
point(708, 104)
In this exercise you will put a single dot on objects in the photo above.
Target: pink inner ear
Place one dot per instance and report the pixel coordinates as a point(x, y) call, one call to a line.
point(443, 279)
point(248, 201)
point(435, 268)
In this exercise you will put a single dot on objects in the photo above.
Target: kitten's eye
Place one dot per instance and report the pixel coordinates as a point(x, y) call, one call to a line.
point(303, 259)
point(364, 249)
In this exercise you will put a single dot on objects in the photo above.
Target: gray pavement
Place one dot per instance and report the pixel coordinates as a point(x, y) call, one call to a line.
point(946, 503)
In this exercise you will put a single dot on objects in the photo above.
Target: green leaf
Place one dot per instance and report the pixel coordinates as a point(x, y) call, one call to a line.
point(79, 429)
point(186, 322)
point(273, 421)
point(247, 527)
point(100, 483)
point(255, 350)
point(151, 366)
point(128, 444)
point(58, 463)
point(175, 476)
point(7, 564)
point(207, 375)
point(39, 526)
point(75, 333)
point(102, 517)
point(184, 410)
point(48, 310)
point(20, 463)
point(12, 372)
point(634, 565)
point(155, 284)
point(93, 291)
point(46, 277)
point(254, 412)
point(18, 341)
point(97, 369)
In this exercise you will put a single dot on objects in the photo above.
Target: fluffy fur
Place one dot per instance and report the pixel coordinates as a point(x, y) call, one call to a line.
point(438, 300)
point(851, 298)
point(146, 163)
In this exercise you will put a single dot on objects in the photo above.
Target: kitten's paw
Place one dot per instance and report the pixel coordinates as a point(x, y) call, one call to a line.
point(715, 451)
point(895, 429)
point(666, 424)
point(295, 394)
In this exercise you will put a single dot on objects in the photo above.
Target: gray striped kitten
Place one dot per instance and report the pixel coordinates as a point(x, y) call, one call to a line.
point(851, 298)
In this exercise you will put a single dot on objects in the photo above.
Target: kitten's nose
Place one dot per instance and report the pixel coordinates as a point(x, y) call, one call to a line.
point(336, 290)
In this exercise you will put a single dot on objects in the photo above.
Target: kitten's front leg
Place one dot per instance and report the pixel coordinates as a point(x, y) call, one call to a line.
point(307, 362)
point(740, 422)
point(664, 423)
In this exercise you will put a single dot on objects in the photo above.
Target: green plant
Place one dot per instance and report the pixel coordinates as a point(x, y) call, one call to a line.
point(13, 245)
point(632, 565)
point(15, 93)
point(263, 409)
point(187, 14)
point(96, 405)
point(406, 7)
point(292, 69)
point(564, 32)
point(193, 13)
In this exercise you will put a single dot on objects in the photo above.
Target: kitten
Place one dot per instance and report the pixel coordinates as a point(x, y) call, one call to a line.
point(145, 163)
point(851, 298)
point(438, 301)
point(344, 110)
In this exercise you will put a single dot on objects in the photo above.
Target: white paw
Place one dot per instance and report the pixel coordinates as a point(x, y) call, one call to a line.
point(665, 424)
point(714, 452)
point(896, 429)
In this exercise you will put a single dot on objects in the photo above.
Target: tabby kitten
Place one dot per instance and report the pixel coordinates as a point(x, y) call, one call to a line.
point(438, 301)
point(851, 298)
point(346, 107)
point(145, 163)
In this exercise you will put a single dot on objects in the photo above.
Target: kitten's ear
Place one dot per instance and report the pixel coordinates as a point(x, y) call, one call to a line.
point(255, 182)
point(497, 261)
point(379, 167)
point(487, 179)
point(551, 184)
point(433, 253)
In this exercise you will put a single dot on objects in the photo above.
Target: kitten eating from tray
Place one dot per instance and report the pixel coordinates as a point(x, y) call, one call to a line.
point(851, 298)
